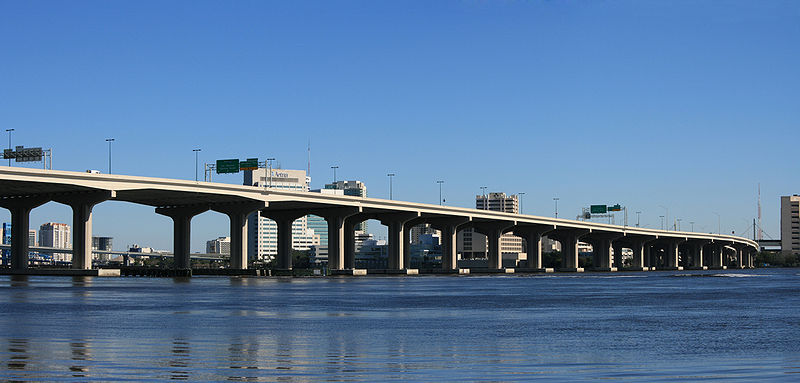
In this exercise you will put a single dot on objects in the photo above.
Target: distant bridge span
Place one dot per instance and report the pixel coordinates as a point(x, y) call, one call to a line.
point(23, 189)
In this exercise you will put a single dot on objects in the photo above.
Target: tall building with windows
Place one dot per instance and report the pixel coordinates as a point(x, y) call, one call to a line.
point(6, 240)
point(351, 188)
point(57, 235)
point(790, 224)
point(262, 232)
point(221, 245)
point(472, 244)
point(32, 238)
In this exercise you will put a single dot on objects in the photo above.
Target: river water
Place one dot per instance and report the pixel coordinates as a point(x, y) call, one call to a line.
point(656, 326)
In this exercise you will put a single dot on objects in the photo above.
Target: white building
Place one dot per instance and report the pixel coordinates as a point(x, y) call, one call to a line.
point(56, 235)
point(351, 188)
point(262, 232)
point(221, 245)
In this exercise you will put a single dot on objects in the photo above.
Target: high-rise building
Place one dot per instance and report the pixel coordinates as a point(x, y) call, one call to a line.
point(6, 240)
point(351, 188)
point(56, 235)
point(103, 243)
point(32, 238)
point(417, 231)
point(262, 232)
point(472, 244)
point(790, 224)
point(221, 245)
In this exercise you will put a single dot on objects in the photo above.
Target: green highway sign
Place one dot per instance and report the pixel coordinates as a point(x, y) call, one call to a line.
point(598, 209)
point(249, 164)
point(227, 166)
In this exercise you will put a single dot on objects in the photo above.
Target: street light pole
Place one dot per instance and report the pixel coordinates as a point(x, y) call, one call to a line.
point(556, 201)
point(679, 223)
point(269, 171)
point(667, 215)
point(110, 140)
point(638, 213)
point(692, 223)
point(662, 221)
point(390, 175)
point(196, 156)
point(9, 143)
point(440, 182)
point(520, 202)
point(334, 173)
point(719, 224)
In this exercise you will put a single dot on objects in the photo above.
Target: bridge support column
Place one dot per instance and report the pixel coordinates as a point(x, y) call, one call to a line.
point(569, 248)
point(533, 240)
point(237, 214)
point(336, 241)
point(695, 255)
point(20, 209)
point(82, 205)
point(448, 227)
point(349, 256)
point(284, 220)
point(181, 231)
point(717, 256)
point(617, 256)
point(493, 231)
point(671, 254)
point(638, 261)
point(399, 256)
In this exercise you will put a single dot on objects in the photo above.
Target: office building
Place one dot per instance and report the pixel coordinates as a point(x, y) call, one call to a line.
point(417, 231)
point(102, 243)
point(262, 232)
point(32, 238)
point(221, 245)
point(472, 244)
point(790, 224)
point(351, 188)
point(56, 235)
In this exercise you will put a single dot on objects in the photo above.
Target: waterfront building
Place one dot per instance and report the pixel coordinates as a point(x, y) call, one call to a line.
point(423, 229)
point(263, 232)
point(102, 243)
point(32, 238)
point(57, 235)
point(472, 244)
point(221, 245)
point(790, 224)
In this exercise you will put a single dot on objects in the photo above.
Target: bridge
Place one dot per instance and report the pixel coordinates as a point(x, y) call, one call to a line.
point(23, 189)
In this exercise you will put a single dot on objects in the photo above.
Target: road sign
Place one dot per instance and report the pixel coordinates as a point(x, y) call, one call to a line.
point(249, 164)
point(615, 208)
point(598, 209)
point(227, 166)
point(23, 154)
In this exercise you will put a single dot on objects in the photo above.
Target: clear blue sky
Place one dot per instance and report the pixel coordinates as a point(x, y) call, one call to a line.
point(683, 104)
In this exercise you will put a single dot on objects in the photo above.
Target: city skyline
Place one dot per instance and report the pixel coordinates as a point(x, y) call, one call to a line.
point(688, 107)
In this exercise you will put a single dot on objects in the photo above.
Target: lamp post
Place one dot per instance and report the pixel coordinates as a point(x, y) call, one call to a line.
point(719, 225)
point(483, 194)
point(666, 216)
point(334, 172)
point(440, 182)
point(269, 171)
point(556, 201)
point(638, 213)
point(520, 194)
point(111, 140)
point(9, 142)
point(196, 156)
point(662, 221)
point(679, 223)
point(692, 223)
point(390, 175)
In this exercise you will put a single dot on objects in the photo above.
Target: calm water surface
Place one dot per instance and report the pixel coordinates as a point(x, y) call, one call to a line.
point(659, 326)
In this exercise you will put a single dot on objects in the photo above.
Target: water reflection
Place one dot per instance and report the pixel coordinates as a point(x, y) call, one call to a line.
point(243, 357)
point(81, 286)
point(180, 359)
point(18, 351)
point(80, 353)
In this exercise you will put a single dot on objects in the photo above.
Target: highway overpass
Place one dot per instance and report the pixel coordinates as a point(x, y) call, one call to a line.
point(23, 189)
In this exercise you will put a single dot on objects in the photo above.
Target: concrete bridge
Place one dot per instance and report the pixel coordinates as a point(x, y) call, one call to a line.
point(23, 189)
